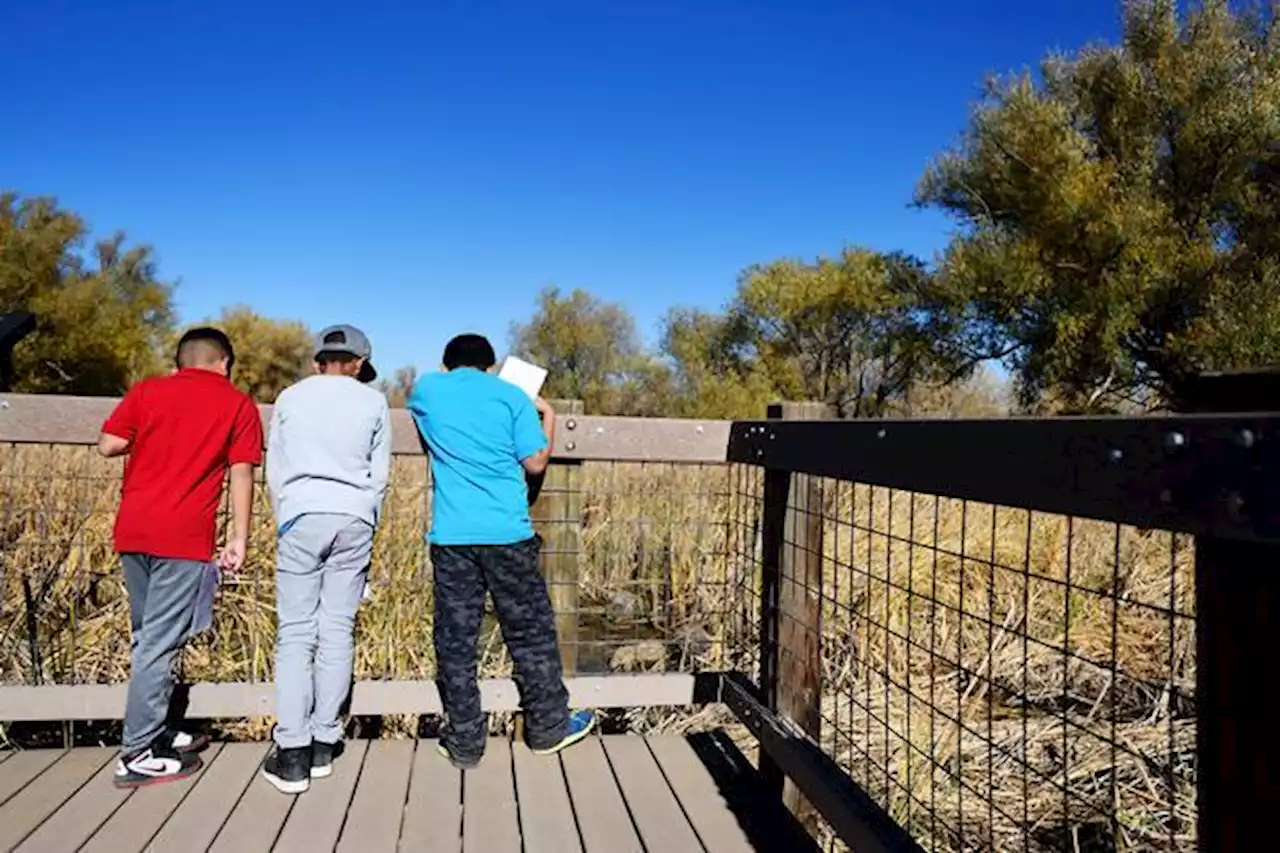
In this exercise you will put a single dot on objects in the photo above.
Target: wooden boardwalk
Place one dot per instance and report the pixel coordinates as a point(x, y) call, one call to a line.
point(612, 793)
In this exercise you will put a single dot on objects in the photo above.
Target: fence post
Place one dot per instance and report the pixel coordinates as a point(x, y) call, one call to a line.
point(1237, 604)
point(557, 518)
point(791, 599)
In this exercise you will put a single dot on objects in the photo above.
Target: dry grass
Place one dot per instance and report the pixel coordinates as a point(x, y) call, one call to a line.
point(956, 655)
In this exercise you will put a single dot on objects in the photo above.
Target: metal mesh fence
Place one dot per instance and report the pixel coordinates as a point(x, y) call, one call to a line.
point(994, 678)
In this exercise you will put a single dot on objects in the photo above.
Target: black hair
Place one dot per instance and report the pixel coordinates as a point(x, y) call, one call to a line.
point(327, 358)
point(207, 336)
point(469, 350)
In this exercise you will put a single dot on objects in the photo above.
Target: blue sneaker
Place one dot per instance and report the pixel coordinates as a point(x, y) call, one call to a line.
point(580, 725)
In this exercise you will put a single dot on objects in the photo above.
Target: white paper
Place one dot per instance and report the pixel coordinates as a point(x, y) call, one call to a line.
point(525, 376)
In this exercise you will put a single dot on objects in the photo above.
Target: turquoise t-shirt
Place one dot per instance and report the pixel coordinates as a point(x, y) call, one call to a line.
point(478, 428)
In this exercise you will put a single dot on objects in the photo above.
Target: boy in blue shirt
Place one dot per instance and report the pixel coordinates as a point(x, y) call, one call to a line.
point(484, 436)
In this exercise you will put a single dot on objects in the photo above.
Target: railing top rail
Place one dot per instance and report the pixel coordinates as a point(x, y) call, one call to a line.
point(44, 419)
point(1204, 474)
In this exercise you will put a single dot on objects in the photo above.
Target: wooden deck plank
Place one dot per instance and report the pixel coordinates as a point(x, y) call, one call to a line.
point(377, 810)
point(662, 824)
point(135, 822)
point(433, 811)
point(25, 765)
point(546, 818)
point(201, 815)
point(316, 819)
point(490, 819)
point(80, 816)
point(29, 808)
point(4, 754)
point(256, 821)
point(597, 802)
point(697, 791)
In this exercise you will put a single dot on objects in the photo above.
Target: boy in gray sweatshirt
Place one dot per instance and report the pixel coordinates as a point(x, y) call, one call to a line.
point(328, 459)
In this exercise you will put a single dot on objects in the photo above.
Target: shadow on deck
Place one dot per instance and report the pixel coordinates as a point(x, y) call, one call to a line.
point(612, 793)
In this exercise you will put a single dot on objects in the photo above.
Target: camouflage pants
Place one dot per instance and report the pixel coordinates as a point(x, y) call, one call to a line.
point(511, 575)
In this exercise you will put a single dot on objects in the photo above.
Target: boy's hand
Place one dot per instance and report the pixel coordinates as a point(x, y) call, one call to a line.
point(543, 407)
point(232, 557)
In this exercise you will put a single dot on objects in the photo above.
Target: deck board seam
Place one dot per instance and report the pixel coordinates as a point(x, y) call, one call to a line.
point(408, 785)
point(631, 815)
point(27, 783)
point(573, 809)
point(676, 796)
point(107, 819)
point(355, 789)
point(515, 793)
point(63, 802)
point(176, 806)
point(227, 817)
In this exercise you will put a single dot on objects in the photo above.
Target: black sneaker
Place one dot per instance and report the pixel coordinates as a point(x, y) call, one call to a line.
point(155, 764)
point(289, 769)
point(459, 761)
point(185, 741)
point(322, 757)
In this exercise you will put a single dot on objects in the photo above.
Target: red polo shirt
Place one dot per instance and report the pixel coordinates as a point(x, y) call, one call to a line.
point(183, 432)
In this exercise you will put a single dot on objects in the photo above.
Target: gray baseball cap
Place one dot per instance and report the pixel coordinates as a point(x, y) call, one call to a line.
point(348, 340)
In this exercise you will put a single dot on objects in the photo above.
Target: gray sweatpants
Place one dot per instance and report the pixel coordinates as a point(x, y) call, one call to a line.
point(322, 563)
point(162, 607)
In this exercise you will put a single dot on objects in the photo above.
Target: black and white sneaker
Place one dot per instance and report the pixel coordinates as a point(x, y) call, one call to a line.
point(322, 757)
point(289, 769)
point(153, 765)
point(186, 742)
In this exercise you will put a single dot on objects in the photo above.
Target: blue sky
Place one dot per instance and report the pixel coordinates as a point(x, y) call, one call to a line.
point(423, 168)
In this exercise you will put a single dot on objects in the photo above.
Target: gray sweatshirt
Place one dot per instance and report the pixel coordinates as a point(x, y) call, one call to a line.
point(328, 450)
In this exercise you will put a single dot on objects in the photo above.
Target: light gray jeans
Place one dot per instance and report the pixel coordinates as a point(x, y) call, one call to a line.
point(322, 561)
point(162, 609)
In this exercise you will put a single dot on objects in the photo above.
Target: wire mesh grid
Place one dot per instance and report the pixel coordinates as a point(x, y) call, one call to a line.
point(995, 678)
point(634, 555)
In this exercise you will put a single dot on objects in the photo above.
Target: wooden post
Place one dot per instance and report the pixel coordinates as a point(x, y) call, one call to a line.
point(791, 599)
point(557, 517)
point(1237, 607)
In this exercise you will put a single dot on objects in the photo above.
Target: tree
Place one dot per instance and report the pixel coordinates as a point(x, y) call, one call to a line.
point(270, 354)
point(102, 321)
point(398, 388)
point(709, 375)
point(856, 331)
point(1118, 215)
point(590, 349)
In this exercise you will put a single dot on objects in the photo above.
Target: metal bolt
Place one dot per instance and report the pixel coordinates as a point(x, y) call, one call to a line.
point(599, 430)
point(571, 446)
point(698, 429)
point(880, 434)
point(4, 404)
point(1116, 454)
point(1166, 496)
point(571, 424)
point(1245, 438)
point(1174, 440)
point(1235, 504)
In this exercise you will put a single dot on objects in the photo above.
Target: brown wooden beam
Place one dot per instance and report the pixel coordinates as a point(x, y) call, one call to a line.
point(50, 419)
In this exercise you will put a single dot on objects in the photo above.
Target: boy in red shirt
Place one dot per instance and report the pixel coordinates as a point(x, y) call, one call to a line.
point(181, 432)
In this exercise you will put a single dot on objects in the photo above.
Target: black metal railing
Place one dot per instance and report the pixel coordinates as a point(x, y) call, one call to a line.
point(1015, 635)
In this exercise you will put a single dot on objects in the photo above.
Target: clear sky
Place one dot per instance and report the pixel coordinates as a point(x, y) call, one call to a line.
point(423, 168)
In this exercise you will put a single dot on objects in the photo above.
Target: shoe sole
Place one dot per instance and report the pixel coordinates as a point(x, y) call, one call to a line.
point(322, 772)
point(568, 741)
point(284, 786)
point(158, 780)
